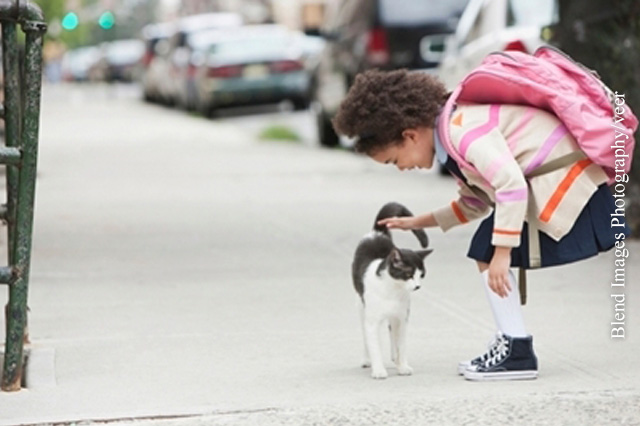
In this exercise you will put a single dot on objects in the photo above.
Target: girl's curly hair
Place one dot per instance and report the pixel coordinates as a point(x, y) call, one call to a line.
point(381, 105)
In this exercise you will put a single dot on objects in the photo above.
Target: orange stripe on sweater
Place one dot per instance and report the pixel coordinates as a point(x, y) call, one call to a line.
point(456, 209)
point(505, 232)
point(562, 189)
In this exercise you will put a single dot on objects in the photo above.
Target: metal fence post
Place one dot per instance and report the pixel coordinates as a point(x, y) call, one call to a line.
point(22, 116)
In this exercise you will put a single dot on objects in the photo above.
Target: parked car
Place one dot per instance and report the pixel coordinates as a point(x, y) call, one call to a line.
point(181, 50)
point(119, 61)
point(384, 34)
point(312, 47)
point(494, 25)
point(156, 39)
point(77, 63)
point(250, 65)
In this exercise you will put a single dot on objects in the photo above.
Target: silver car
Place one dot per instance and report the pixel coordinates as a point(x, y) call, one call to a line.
point(181, 49)
point(251, 65)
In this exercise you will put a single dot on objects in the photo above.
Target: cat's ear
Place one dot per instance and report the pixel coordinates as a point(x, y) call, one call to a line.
point(424, 253)
point(396, 259)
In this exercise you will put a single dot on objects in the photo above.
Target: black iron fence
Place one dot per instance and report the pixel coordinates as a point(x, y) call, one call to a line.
point(22, 78)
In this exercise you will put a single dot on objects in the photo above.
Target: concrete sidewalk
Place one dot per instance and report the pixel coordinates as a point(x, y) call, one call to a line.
point(187, 274)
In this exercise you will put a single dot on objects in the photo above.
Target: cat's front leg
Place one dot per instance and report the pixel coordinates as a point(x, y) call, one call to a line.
point(401, 343)
point(372, 333)
point(366, 361)
point(393, 340)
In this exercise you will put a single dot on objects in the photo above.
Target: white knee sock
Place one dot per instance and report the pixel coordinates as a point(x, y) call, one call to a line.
point(506, 311)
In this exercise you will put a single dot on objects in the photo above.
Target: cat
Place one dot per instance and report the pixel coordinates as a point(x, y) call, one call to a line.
point(384, 277)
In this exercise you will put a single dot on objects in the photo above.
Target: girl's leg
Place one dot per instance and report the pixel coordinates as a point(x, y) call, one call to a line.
point(512, 356)
point(506, 311)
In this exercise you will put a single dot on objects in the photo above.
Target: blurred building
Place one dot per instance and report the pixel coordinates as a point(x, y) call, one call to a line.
point(254, 11)
point(168, 10)
point(305, 15)
point(193, 7)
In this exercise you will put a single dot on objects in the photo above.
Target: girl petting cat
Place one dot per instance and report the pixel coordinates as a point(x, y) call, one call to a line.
point(393, 116)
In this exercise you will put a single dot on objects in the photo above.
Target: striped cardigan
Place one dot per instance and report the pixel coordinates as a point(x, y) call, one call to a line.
point(503, 143)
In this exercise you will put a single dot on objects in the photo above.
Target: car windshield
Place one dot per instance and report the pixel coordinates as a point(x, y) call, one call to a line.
point(254, 47)
point(532, 13)
point(415, 12)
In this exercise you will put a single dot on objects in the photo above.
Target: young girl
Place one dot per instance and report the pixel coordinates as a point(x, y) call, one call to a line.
point(393, 116)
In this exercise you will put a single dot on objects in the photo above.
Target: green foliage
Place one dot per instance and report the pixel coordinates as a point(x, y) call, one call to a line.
point(280, 133)
point(54, 11)
point(52, 8)
point(99, 28)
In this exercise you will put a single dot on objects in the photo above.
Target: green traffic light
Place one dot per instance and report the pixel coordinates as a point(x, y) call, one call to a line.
point(70, 21)
point(107, 20)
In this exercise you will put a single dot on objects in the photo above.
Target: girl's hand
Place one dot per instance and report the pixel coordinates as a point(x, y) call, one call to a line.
point(499, 271)
point(399, 222)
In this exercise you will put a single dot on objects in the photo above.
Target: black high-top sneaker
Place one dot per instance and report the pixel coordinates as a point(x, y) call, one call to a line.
point(514, 359)
point(491, 351)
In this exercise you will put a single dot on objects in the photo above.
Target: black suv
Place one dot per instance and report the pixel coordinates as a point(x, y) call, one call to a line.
point(383, 34)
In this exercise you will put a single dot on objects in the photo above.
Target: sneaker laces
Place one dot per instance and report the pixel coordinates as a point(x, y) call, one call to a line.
point(492, 348)
point(501, 350)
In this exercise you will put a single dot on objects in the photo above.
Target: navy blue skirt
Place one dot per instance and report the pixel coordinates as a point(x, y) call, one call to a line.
point(590, 235)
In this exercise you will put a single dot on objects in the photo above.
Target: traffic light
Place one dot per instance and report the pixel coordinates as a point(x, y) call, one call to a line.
point(107, 20)
point(70, 21)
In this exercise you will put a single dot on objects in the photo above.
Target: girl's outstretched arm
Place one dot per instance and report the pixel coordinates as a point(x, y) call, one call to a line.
point(423, 221)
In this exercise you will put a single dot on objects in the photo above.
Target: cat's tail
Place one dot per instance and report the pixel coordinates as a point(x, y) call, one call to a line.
point(394, 209)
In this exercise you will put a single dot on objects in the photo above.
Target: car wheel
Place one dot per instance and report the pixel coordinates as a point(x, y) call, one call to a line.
point(208, 110)
point(148, 97)
point(326, 135)
point(300, 104)
point(191, 106)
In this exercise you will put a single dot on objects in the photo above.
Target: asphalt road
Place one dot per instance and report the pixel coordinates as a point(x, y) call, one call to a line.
point(186, 273)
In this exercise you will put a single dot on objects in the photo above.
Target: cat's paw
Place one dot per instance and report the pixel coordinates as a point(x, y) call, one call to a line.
point(379, 374)
point(405, 370)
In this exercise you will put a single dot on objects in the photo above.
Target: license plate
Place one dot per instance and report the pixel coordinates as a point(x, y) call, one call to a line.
point(255, 72)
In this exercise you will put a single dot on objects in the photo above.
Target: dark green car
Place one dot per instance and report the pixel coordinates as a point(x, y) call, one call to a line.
point(252, 65)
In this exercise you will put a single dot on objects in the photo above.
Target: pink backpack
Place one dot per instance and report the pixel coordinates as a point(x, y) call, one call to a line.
point(552, 81)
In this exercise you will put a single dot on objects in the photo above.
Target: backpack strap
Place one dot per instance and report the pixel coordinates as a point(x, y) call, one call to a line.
point(535, 257)
point(556, 164)
point(522, 285)
point(553, 165)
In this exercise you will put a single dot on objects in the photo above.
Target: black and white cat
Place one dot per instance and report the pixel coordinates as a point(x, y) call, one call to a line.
point(384, 277)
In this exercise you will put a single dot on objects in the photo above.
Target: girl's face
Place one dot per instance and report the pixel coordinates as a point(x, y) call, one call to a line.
point(415, 151)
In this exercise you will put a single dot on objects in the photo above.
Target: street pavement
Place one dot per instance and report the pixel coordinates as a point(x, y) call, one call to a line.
point(186, 273)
